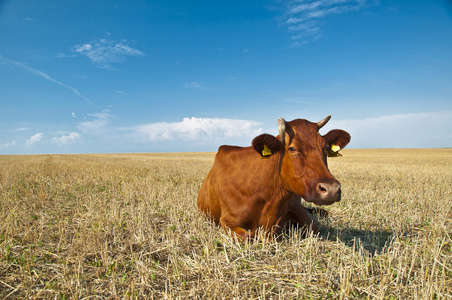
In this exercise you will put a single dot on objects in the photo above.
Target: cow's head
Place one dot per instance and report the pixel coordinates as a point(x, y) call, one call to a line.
point(304, 169)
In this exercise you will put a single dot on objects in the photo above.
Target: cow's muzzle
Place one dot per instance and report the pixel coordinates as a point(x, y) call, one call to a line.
point(328, 192)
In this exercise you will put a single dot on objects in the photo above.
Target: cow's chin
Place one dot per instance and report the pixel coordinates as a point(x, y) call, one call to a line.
point(322, 202)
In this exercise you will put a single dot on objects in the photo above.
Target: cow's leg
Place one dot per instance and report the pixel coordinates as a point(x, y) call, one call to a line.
point(241, 233)
point(297, 212)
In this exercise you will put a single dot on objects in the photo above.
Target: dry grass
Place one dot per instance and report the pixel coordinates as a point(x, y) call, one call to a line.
point(126, 226)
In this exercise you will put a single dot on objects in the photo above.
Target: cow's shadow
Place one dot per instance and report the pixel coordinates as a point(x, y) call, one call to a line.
point(372, 241)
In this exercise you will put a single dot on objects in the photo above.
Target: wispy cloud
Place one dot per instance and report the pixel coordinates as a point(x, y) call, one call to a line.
point(34, 138)
point(412, 130)
point(5, 60)
point(97, 124)
point(194, 84)
point(7, 145)
point(67, 139)
point(104, 52)
point(199, 129)
point(304, 17)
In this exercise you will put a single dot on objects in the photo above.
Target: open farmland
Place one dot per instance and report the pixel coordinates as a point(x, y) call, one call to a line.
point(127, 226)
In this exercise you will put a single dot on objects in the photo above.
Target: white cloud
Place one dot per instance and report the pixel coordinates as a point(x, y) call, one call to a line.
point(104, 52)
point(73, 115)
point(7, 145)
point(303, 18)
point(413, 130)
point(200, 129)
point(67, 139)
point(22, 129)
point(34, 138)
point(97, 124)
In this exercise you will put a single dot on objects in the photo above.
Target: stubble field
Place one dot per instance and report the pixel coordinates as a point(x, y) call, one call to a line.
point(126, 226)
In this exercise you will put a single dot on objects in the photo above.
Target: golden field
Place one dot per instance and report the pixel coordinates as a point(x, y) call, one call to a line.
point(120, 226)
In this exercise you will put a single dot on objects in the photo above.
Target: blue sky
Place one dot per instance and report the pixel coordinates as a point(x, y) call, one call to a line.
point(175, 75)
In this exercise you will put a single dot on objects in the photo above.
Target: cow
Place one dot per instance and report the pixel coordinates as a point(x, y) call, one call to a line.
point(260, 186)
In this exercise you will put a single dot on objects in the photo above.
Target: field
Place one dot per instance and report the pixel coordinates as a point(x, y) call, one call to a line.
point(126, 226)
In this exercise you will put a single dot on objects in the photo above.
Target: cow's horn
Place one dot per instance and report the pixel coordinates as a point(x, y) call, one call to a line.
point(282, 130)
point(323, 122)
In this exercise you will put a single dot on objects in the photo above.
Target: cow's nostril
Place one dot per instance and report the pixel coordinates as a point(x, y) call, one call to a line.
point(323, 188)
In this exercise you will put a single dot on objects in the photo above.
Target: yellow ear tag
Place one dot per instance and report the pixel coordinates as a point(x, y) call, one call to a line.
point(266, 151)
point(334, 151)
point(335, 148)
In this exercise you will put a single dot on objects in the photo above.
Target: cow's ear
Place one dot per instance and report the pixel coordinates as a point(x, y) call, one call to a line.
point(337, 137)
point(266, 145)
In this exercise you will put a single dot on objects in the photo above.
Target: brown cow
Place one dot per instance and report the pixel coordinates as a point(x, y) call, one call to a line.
point(260, 186)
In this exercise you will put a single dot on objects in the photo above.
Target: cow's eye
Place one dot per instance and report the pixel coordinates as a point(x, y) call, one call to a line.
point(292, 149)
